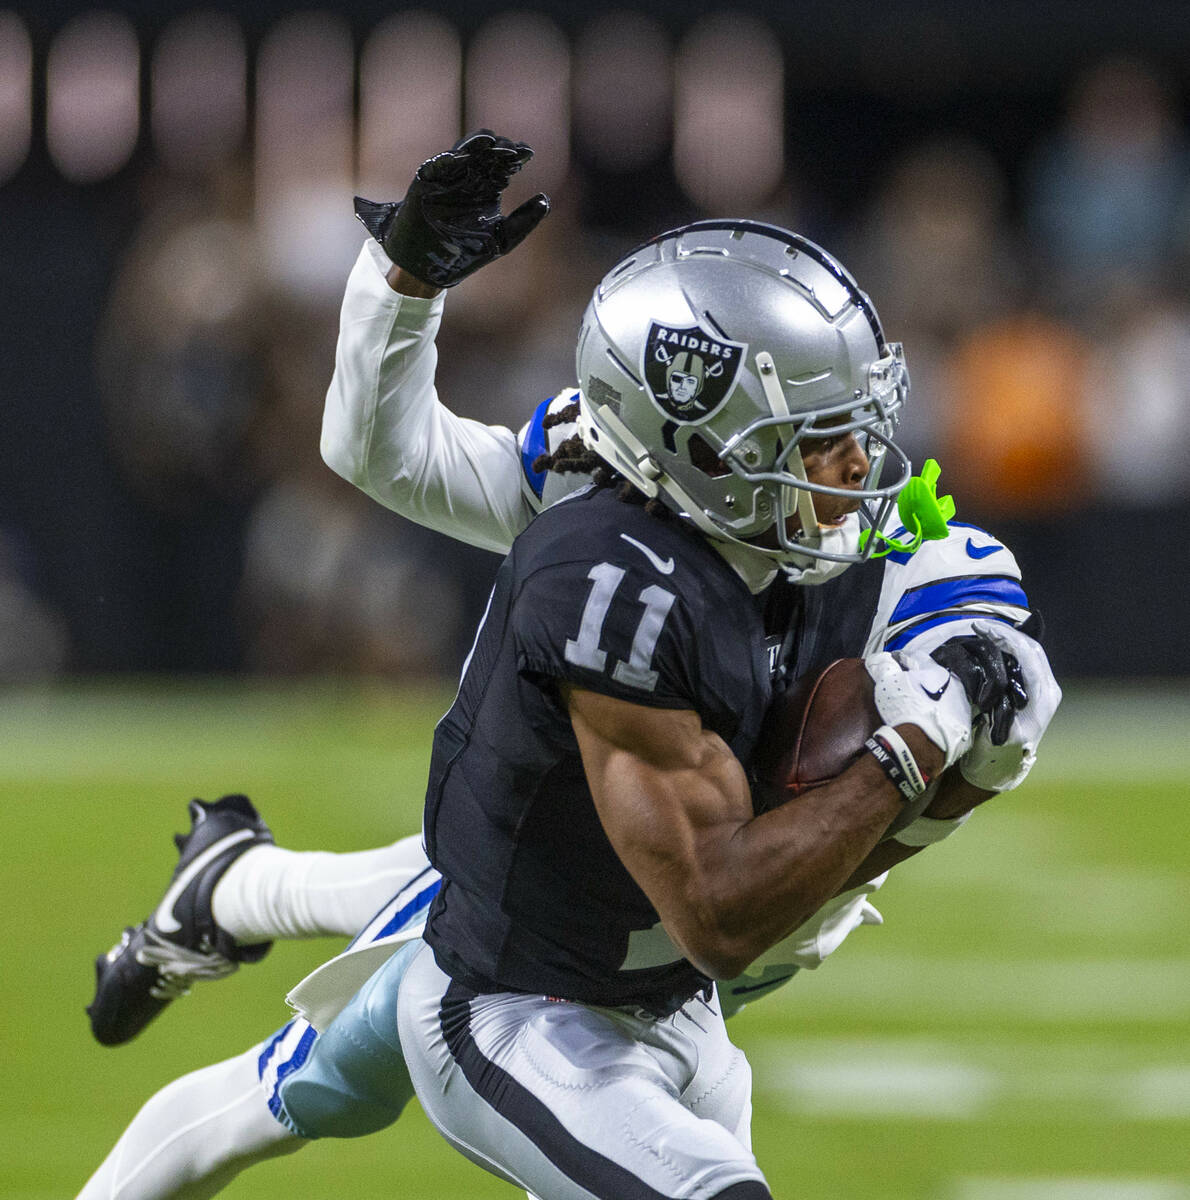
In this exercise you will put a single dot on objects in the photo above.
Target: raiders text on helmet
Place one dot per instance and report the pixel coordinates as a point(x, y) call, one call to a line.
point(706, 358)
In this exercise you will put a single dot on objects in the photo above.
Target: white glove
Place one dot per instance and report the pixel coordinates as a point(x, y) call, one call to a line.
point(912, 689)
point(999, 768)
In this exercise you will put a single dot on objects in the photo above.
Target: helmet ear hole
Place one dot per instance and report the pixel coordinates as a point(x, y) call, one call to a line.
point(704, 459)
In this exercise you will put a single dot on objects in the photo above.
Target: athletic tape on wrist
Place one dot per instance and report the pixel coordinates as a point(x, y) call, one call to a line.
point(925, 831)
point(888, 748)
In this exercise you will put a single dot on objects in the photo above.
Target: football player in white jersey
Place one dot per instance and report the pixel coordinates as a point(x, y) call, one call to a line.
point(385, 430)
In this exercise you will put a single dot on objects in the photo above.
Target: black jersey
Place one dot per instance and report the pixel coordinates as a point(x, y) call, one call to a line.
point(598, 593)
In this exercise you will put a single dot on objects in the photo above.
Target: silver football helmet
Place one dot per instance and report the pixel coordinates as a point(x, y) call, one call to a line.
point(707, 356)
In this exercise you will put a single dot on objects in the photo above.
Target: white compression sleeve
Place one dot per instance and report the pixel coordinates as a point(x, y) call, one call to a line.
point(193, 1137)
point(272, 893)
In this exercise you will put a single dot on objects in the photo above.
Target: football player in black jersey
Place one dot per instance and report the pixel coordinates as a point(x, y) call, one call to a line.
point(588, 804)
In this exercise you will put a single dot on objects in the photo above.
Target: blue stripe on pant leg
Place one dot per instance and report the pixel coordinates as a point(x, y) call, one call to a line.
point(354, 1080)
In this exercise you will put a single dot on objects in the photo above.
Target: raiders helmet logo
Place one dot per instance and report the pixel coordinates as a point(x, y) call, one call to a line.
point(689, 371)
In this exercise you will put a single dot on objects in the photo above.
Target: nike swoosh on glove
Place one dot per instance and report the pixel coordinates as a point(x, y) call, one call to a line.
point(912, 689)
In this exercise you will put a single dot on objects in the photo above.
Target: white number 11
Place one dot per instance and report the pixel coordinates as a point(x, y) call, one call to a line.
point(584, 650)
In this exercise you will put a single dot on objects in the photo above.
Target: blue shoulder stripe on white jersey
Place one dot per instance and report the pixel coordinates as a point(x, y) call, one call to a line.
point(947, 593)
point(533, 446)
point(907, 635)
point(901, 557)
point(412, 911)
point(406, 908)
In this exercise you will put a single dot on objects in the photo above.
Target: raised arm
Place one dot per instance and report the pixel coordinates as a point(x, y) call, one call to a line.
point(384, 428)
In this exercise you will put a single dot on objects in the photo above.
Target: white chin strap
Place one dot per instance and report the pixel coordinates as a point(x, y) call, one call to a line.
point(757, 567)
point(833, 539)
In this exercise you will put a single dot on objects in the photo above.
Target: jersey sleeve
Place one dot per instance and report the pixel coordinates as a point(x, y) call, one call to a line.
point(610, 630)
point(385, 430)
point(938, 592)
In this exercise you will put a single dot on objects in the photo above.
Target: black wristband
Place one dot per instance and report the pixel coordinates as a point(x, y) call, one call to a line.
point(888, 748)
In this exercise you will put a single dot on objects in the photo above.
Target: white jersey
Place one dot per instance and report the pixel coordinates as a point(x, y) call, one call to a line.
point(386, 431)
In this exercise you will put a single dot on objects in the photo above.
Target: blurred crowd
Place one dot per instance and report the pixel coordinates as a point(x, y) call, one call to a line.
point(1045, 318)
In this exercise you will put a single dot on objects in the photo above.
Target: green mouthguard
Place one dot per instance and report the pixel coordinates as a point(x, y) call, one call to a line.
point(922, 511)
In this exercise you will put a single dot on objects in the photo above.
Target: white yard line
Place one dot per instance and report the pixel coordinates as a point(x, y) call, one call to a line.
point(1137, 991)
point(1159, 1093)
point(928, 1079)
point(1088, 1188)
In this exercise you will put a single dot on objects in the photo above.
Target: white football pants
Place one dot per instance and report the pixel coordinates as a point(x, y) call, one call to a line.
point(194, 1137)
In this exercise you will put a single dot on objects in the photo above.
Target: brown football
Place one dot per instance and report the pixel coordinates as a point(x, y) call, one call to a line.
point(815, 730)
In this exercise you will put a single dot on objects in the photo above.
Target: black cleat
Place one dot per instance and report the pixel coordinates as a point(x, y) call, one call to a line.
point(179, 943)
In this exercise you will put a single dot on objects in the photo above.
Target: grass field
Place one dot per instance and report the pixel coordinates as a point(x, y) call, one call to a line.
point(1017, 1030)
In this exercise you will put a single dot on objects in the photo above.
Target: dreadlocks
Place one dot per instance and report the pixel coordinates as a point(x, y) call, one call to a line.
point(571, 456)
point(574, 456)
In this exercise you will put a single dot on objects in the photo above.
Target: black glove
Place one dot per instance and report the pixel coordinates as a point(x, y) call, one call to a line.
point(990, 676)
point(449, 223)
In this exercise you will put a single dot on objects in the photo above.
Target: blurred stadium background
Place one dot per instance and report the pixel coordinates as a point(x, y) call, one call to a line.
point(191, 603)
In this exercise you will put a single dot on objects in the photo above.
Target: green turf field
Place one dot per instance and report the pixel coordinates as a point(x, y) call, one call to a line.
point(1018, 1030)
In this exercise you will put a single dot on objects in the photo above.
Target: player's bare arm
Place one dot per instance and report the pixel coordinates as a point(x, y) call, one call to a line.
point(676, 806)
point(954, 798)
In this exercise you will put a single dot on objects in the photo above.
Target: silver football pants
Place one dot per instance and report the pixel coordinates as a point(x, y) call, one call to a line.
point(574, 1102)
